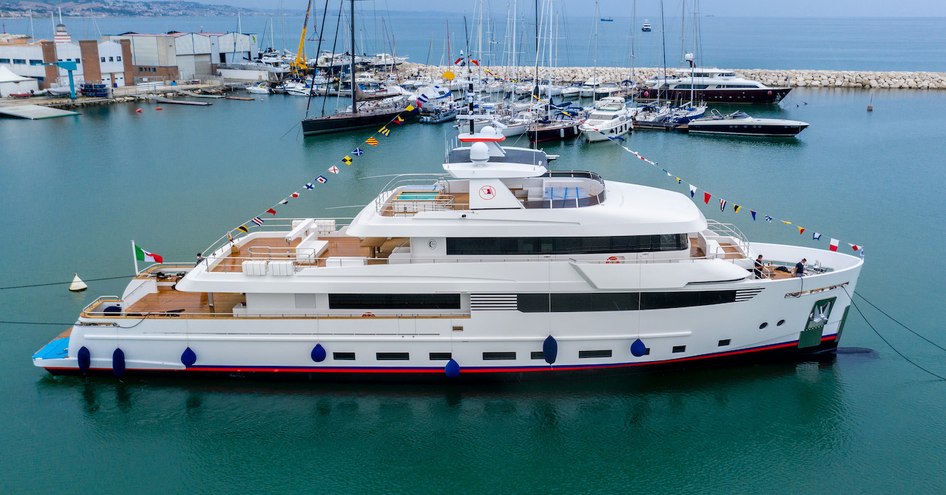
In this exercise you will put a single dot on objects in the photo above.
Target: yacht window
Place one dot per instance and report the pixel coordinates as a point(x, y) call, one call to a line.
point(618, 301)
point(537, 355)
point(394, 301)
point(499, 356)
point(600, 116)
point(604, 353)
point(441, 356)
point(667, 300)
point(343, 356)
point(565, 245)
point(392, 356)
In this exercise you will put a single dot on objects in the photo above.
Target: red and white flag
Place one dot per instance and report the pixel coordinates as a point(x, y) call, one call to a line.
point(854, 247)
point(834, 245)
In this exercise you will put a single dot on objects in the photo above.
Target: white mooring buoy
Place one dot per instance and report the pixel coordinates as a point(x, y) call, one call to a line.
point(77, 284)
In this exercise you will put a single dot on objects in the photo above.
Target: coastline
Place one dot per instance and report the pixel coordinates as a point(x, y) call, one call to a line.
point(796, 78)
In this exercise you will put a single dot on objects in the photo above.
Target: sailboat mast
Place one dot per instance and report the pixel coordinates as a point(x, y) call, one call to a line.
point(535, 80)
point(469, 76)
point(354, 99)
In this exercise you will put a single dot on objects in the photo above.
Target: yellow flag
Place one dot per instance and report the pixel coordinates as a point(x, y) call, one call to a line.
point(449, 75)
point(410, 108)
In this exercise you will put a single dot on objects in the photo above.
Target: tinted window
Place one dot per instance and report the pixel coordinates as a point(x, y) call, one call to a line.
point(394, 301)
point(618, 301)
point(392, 356)
point(604, 353)
point(499, 356)
point(565, 245)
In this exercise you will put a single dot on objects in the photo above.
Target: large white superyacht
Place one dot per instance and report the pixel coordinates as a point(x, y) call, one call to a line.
point(498, 267)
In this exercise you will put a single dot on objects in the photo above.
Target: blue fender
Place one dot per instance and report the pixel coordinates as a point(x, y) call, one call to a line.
point(550, 349)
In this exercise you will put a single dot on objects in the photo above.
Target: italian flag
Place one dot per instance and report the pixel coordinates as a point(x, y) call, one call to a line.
point(142, 255)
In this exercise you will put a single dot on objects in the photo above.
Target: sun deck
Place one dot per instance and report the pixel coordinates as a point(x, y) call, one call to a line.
point(560, 189)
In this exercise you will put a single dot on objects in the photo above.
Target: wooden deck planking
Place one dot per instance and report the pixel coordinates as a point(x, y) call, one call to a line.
point(281, 250)
point(190, 302)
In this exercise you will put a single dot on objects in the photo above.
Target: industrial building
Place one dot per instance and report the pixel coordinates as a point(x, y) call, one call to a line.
point(105, 61)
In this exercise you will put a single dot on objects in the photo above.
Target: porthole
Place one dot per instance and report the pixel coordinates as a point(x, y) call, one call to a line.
point(763, 325)
point(780, 323)
point(679, 348)
point(724, 342)
point(538, 355)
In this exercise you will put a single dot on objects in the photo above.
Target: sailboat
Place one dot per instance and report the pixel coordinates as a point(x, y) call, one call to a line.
point(556, 124)
point(359, 115)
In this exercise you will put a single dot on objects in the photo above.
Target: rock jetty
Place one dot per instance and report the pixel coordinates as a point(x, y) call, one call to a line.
point(794, 78)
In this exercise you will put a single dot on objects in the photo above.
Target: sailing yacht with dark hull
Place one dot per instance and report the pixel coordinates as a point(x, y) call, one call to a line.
point(360, 115)
point(349, 121)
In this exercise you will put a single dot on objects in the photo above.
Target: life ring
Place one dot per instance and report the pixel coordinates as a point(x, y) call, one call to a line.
point(612, 260)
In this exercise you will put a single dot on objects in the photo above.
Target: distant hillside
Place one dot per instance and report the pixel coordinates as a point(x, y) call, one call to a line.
point(116, 8)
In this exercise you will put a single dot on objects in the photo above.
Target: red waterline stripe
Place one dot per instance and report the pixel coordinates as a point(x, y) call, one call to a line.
point(472, 369)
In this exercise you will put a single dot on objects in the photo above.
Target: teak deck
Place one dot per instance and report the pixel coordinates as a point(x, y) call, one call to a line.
point(169, 300)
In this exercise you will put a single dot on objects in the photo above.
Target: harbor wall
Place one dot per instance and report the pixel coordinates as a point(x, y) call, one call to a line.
point(797, 78)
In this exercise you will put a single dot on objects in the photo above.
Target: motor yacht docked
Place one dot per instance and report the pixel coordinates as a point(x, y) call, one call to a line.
point(609, 119)
point(498, 268)
point(710, 86)
point(741, 124)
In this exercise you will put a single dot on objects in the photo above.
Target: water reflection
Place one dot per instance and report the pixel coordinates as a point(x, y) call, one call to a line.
point(352, 427)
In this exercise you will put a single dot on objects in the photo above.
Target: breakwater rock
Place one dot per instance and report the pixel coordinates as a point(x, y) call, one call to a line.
point(796, 78)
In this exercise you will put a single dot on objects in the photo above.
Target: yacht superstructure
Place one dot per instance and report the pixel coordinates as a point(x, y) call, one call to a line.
point(499, 267)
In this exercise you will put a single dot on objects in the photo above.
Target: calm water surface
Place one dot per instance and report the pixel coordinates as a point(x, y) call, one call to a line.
point(877, 44)
point(77, 190)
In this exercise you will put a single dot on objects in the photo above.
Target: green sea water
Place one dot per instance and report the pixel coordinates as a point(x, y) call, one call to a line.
point(76, 190)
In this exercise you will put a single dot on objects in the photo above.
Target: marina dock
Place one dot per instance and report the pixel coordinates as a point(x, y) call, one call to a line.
point(34, 112)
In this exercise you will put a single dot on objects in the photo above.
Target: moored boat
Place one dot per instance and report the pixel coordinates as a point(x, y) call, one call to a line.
point(710, 86)
point(500, 268)
point(610, 119)
point(741, 124)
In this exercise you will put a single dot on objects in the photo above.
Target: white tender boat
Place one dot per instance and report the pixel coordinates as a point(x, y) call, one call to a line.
point(610, 119)
point(499, 268)
point(260, 88)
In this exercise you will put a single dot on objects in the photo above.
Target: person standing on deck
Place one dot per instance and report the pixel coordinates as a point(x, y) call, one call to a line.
point(800, 268)
point(758, 267)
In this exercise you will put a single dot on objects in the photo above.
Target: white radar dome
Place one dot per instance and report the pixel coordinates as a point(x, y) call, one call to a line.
point(479, 153)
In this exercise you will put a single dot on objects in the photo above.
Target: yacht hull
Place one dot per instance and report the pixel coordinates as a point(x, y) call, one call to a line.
point(737, 128)
point(740, 95)
point(779, 353)
point(349, 122)
point(553, 132)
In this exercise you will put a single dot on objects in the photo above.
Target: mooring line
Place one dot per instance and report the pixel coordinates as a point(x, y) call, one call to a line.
point(934, 344)
point(62, 283)
point(35, 323)
point(886, 341)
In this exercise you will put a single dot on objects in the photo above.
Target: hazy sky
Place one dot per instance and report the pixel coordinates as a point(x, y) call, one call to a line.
point(651, 8)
